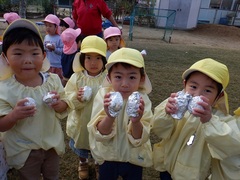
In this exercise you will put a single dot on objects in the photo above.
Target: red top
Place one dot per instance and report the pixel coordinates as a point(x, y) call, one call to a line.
point(88, 15)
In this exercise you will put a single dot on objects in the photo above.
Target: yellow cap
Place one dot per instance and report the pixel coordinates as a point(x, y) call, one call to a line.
point(216, 71)
point(129, 56)
point(94, 44)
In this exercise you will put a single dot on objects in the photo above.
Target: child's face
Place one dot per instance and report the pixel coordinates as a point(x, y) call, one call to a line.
point(50, 28)
point(63, 28)
point(25, 60)
point(125, 80)
point(93, 63)
point(113, 43)
point(200, 84)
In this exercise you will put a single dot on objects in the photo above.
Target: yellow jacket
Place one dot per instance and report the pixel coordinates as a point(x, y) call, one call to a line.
point(43, 130)
point(120, 145)
point(80, 112)
point(214, 139)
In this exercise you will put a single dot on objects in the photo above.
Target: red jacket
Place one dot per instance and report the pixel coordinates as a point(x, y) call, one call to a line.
point(88, 15)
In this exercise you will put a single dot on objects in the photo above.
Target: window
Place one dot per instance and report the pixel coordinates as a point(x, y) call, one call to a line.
point(222, 4)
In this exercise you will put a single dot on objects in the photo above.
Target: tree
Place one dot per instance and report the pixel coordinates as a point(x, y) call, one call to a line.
point(22, 8)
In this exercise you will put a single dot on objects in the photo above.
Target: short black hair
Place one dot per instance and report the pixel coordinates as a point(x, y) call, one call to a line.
point(63, 23)
point(82, 60)
point(18, 35)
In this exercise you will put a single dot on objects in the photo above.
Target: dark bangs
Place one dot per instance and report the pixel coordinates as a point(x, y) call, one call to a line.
point(18, 35)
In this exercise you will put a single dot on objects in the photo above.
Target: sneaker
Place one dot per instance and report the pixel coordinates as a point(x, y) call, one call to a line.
point(83, 171)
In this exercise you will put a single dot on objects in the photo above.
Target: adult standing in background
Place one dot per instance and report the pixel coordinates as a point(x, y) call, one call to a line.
point(87, 15)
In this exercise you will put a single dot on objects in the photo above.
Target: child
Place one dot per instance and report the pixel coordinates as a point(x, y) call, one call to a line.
point(113, 38)
point(65, 23)
point(53, 44)
point(70, 48)
point(190, 143)
point(121, 144)
point(89, 71)
point(33, 137)
point(10, 17)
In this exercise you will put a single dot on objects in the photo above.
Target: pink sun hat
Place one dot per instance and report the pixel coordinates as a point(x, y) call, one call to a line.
point(69, 40)
point(10, 17)
point(111, 31)
point(51, 18)
point(69, 21)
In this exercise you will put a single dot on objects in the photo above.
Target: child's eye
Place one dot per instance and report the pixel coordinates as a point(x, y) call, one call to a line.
point(208, 91)
point(132, 77)
point(117, 77)
point(193, 87)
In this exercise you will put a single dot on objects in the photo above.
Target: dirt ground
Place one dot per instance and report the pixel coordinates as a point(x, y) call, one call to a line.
point(207, 35)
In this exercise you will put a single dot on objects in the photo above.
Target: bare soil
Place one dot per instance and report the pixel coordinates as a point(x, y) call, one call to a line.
point(207, 35)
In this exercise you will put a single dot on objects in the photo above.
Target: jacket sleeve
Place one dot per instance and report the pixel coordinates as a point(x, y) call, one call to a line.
point(75, 6)
point(223, 135)
point(145, 120)
point(163, 124)
point(71, 90)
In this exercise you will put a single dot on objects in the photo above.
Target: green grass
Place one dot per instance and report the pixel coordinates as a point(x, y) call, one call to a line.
point(165, 64)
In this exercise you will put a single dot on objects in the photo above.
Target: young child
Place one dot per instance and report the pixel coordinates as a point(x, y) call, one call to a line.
point(65, 23)
point(203, 132)
point(10, 17)
point(89, 68)
point(113, 38)
point(33, 137)
point(53, 44)
point(70, 48)
point(121, 144)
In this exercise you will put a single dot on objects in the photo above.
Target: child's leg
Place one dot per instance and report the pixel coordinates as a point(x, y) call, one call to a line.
point(165, 176)
point(108, 170)
point(50, 167)
point(32, 166)
point(130, 171)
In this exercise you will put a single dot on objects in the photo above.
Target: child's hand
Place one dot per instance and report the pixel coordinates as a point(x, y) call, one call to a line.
point(106, 103)
point(57, 104)
point(21, 111)
point(171, 104)
point(205, 114)
point(140, 112)
point(80, 94)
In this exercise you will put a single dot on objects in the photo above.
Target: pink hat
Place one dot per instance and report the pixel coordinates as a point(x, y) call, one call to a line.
point(111, 31)
point(69, 40)
point(51, 18)
point(69, 21)
point(10, 17)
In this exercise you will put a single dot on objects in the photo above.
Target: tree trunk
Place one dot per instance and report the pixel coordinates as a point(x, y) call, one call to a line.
point(22, 8)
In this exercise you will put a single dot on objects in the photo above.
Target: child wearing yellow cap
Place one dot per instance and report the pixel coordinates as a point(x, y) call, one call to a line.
point(202, 134)
point(120, 142)
point(81, 88)
point(33, 137)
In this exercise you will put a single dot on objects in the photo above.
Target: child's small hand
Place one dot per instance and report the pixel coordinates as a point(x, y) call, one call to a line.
point(205, 114)
point(58, 105)
point(80, 94)
point(21, 111)
point(106, 103)
point(140, 112)
point(171, 104)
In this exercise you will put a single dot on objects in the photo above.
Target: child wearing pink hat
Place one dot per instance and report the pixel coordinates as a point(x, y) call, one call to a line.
point(114, 40)
point(65, 23)
point(70, 48)
point(10, 17)
point(53, 44)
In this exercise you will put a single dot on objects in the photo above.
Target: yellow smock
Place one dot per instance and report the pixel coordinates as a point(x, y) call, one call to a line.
point(120, 145)
point(214, 139)
point(80, 112)
point(42, 131)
